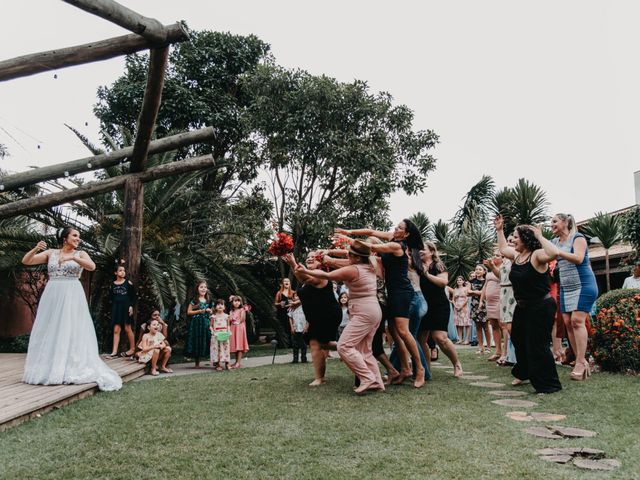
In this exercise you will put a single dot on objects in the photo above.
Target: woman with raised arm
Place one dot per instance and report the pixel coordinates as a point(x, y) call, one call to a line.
point(322, 312)
point(578, 288)
point(365, 314)
point(535, 307)
point(400, 293)
point(63, 347)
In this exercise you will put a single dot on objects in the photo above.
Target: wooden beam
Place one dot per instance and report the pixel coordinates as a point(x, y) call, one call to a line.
point(90, 52)
point(132, 227)
point(166, 144)
point(21, 207)
point(158, 60)
point(149, 28)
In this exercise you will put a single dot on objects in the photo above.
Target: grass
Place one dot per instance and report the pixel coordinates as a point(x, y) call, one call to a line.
point(266, 423)
point(257, 350)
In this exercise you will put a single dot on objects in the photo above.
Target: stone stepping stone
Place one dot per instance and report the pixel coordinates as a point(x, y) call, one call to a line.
point(542, 432)
point(603, 464)
point(487, 384)
point(571, 432)
point(591, 453)
point(436, 363)
point(507, 393)
point(475, 377)
point(508, 402)
point(442, 367)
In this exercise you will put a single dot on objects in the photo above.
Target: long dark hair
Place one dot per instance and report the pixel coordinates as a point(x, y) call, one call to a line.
point(196, 295)
point(414, 244)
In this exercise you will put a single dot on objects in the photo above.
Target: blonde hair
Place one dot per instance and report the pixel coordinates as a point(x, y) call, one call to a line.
point(571, 222)
point(372, 258)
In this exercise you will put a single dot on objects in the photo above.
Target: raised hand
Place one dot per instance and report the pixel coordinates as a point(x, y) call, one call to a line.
point(41, 246)
point(498, 222)
point(341, 231)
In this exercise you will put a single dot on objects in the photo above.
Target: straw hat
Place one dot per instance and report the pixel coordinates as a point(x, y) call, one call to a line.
point(359, 248)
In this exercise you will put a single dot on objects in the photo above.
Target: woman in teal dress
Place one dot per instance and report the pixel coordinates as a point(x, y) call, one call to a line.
point(199, 335)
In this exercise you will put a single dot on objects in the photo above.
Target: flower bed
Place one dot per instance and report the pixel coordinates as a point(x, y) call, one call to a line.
point(616, 331)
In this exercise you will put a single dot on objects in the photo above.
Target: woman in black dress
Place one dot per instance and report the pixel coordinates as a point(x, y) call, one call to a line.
point(284, 296)
point(435, 323)
point(322, 312)
point(535, 310)
point(123, 299)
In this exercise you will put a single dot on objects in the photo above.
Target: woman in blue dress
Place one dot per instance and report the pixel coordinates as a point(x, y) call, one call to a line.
point(578, 288)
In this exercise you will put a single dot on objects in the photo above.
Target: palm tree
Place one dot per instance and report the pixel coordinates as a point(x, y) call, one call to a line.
point(529, 203)
point(502, 203)
point(441, 231)
point(458, 254)
point(606, 228)
point(476, 206)
point(422, 222)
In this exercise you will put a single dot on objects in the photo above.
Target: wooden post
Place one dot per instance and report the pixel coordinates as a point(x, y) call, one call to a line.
point(132, 229)
point(149, 28)
point(158, 60)
point(90, 52)
point(104, 160)
point(27, 205)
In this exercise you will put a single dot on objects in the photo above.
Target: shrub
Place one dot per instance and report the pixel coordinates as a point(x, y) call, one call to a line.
point(616, 331)
point(17, 344)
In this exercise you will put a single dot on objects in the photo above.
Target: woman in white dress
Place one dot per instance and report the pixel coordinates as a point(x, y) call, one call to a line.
point(63, 347)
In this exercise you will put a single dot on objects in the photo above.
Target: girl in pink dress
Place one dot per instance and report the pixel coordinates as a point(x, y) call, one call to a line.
point(365, 314)
point(461, 320)
point(491, 297)
point(238, 343)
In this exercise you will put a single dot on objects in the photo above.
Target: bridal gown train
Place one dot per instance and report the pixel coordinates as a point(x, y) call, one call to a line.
point(63, 347)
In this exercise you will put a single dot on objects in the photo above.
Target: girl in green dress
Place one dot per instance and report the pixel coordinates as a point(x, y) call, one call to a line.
point(199, 336)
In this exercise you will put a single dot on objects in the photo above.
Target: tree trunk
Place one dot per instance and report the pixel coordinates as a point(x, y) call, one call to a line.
point(132, 229)
point(606, 268)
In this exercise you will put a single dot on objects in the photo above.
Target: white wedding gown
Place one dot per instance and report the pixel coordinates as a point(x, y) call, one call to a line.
point(63, 347)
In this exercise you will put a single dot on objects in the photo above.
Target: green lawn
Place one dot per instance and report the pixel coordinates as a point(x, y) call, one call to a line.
point(257, 350)
point(266, 423)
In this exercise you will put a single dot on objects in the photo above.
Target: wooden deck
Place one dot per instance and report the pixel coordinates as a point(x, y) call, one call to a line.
point(20, 402)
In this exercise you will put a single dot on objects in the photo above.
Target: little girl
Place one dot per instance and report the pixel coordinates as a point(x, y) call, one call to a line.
point(458, 298)
point(343, 300)
point(219, 328)
point(153, 347)
point(199, 336)
point(239, 343)
point(123, 299)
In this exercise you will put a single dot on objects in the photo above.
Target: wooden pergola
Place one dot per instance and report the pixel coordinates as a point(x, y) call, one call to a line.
point(150, 34)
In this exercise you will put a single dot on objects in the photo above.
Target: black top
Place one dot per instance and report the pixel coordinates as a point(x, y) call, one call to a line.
point(396, 271)
point(433, 294)
point(124, 293)
point(528, 283)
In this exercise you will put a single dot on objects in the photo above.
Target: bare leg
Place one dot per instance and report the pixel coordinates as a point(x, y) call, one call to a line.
point(487, 337)
point(391, 370)
point(164, 359)
point(116, 340)
point(403, 353)
point(460, 331)
point(578, 324)
point(505, 338)
point(129, 333)
point(449, 350)
point(497, 340)
point(567, 323)
point(402, 328)
point(556, 344)
point(479, 335)
point(238, 359)
point(319, 361)
point(154, 361)
point(423, 337)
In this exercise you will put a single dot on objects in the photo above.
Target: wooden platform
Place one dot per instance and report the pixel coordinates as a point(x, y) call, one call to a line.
point(20, 402)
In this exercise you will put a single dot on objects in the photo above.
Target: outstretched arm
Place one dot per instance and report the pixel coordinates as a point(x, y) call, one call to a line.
point(548, 251)
point(344, 274)
point(37, 255)
point(366, 232)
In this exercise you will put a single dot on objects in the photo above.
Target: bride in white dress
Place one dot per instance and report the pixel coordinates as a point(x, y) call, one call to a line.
point(63, 347)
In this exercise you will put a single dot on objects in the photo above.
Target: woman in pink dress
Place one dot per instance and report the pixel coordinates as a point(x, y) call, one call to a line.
point(238, 343)
point(491, 297)
point(460, 301)
point(365, 314)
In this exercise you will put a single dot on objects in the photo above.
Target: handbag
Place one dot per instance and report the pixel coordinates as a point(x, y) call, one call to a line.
point(223, 336)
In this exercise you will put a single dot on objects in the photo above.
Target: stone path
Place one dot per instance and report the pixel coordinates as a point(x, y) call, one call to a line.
point(580, 457)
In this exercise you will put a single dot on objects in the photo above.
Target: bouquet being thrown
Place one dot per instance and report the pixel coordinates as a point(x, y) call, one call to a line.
point(282, 245)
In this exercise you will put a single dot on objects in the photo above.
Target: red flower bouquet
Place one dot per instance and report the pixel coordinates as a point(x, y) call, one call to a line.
point(340, 243)
point(282, 245)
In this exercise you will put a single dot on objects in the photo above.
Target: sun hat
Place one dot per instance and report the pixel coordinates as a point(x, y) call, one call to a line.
point(359, 248)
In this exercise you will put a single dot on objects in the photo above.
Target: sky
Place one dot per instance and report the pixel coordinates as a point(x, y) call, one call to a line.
point(544, 90)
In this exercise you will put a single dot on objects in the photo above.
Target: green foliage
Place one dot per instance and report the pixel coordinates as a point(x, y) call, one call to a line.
point(476, 207)
point(631, 228)
point(529, 203)
point(18, 344)
point(441, 231)
point(421, 221)
point(459, 255)
point(606, 228)
point(616, 331)
point(334, 151)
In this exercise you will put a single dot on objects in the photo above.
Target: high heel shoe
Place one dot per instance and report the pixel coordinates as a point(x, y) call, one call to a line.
point(580, 376)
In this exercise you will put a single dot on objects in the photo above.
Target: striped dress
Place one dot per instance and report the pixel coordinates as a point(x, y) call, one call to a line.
point(578, 288)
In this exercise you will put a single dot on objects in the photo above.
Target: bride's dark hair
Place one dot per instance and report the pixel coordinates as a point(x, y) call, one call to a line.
point(62, 234)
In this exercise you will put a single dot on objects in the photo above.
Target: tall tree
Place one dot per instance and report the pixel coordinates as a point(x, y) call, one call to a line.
point(441, 231)
point(605, 230)
point(334, 151)
point(530, 203)
point(476, 206)
point(631, 228)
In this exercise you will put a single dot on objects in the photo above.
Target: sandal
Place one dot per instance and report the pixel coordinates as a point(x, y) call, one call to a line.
point(166, 370)
point(502, 361)
point(154, 373)
point(493, 357)
point(126, 354)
